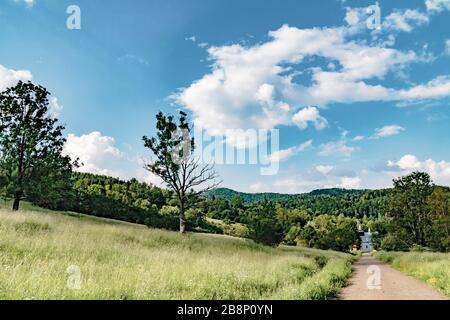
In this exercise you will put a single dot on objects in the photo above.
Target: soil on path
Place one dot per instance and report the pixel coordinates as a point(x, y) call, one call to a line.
point(375, 280)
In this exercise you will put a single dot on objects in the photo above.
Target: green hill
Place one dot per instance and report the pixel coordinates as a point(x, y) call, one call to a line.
point(43, 254)
point(351, 203)
point(225, 193)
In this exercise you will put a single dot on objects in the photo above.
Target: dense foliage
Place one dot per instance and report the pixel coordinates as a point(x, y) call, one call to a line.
point(351, 203)
point(31, 144)
point(267, 222)
point(418, 215)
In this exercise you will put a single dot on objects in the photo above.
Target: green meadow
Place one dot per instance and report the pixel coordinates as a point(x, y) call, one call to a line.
point(41, 252)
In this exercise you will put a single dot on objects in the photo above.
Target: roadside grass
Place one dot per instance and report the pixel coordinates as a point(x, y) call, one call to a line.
point(40, 249)
point(433, 268)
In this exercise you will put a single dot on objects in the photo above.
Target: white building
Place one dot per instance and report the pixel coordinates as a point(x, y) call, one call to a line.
point(366, 241)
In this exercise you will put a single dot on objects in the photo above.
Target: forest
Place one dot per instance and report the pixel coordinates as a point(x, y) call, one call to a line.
point(413, 214)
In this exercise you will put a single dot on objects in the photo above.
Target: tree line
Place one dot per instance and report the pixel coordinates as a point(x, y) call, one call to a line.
point(414, 214)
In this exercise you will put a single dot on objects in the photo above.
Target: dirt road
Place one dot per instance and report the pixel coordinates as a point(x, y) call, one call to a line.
point(375, 280)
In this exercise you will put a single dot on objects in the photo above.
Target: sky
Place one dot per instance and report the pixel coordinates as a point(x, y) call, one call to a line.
point(357, 91)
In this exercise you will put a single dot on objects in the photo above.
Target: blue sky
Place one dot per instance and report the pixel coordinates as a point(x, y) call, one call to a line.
point(354, 106)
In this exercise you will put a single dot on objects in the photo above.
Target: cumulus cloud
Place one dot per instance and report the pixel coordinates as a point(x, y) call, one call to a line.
point(252, 87)
point(97, 153)
point(387, 131)
point(10, 77)
point(350, 183)
point(439, 87)
point(438, 170)
point(309, 114)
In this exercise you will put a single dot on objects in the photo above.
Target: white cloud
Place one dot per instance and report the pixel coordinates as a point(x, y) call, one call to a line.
point(336, 148)
point(10, 77)
point(54, 107)
point(305, 145)
point(447, 47)
point(295, 185)
point(350, 183)
point(405, 20)
point(301, 183)
point(436, 88)
point(437, 5)
point(257, 187)
point(255, 87)
point(359, 138)
point(387, 131)
point(290, 152)
point(97, 153)
point(309, 114)
point(324, 169)
point(439, 171)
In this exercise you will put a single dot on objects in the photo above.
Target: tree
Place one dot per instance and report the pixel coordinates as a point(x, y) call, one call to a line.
point(30, 139)
point(330, 232)
point(409, 208)
point(264, 225)
point(438, 233)
point(175, 163)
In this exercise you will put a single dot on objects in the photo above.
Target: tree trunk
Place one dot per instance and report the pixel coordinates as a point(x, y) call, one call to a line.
point(19, 189)
point(182, 216)
point(182, 223)
point(17, 198)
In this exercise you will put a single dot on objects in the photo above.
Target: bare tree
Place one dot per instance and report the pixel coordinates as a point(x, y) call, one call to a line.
point(176, 164)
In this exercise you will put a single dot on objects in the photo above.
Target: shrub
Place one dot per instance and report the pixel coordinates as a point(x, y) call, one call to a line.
point(236, 230)
point(392, 242)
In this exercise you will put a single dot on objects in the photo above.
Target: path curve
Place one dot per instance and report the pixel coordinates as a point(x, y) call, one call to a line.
point(365, 284)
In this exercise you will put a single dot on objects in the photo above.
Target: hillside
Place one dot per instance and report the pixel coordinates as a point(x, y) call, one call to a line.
point(229, 194)
point(45, 255)
point(351, 203)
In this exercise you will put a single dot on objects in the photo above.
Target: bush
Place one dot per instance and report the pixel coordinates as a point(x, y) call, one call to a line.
point(292, 236)
point(418, 248)
point(236, 230)
point(392, 242)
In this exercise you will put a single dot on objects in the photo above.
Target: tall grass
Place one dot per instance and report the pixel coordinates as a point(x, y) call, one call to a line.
point(124, 261)
point(433, 268)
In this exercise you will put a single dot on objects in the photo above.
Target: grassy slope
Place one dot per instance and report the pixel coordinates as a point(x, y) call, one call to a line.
point(124, 261)
point(433, 268)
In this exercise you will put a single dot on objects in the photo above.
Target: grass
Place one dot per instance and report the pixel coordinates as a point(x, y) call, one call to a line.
point(433, 268)
point(40, 250)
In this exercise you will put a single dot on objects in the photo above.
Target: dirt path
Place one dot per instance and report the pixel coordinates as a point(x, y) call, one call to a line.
point(375, 280)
